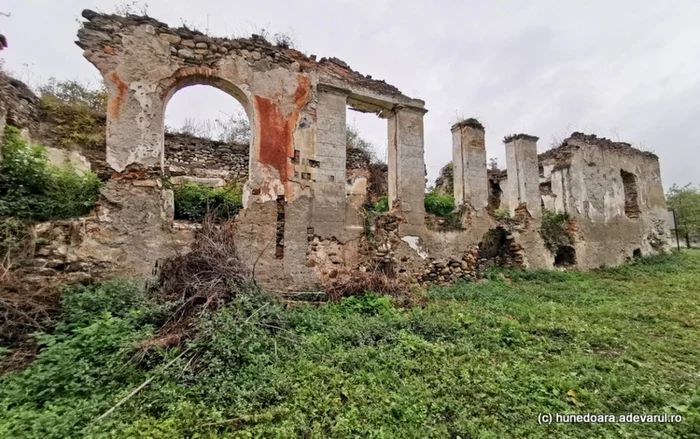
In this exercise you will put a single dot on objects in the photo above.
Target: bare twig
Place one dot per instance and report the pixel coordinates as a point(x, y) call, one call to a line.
point(139, 388)
point(256, 311)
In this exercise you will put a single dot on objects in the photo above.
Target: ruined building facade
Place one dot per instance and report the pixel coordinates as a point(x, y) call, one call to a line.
point(303, 221)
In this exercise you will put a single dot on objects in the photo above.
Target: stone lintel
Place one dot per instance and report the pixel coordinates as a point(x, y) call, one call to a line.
point(328, 88)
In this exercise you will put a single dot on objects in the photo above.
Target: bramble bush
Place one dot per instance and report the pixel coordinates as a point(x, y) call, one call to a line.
point(193, 202)
point(33, 189)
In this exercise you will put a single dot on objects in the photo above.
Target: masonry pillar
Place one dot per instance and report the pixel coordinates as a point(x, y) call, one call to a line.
point(406, 164)
point(469, 161)
point(327, 166)
point(523, 186)
point(134, 124)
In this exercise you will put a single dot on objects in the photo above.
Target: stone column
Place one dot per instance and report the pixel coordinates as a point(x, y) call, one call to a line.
point(523, 186)
point(469, 161)
point(327, 167)
point(406, 163)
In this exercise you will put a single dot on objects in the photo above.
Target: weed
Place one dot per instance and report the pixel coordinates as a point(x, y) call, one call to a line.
point(501, 213)
point(194, 201)
point(33, 189)
point(482, 359)
point(439, 204)
point(554, 229)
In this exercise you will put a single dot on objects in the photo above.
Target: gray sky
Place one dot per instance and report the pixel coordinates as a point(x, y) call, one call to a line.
point(626, 70)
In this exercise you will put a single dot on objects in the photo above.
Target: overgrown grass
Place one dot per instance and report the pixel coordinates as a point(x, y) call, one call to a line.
point(480, 360)
point(78, 111)
point(33, 189)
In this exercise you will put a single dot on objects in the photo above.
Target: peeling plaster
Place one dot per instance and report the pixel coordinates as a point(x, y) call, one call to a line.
point(414, 243)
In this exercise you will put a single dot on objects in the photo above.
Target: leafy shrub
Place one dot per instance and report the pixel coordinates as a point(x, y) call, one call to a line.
point(554, 229)
point(501, 213)
point(439, 204)
point(77, 110)
point(353, 140)
point(194, 201)
point(382, 205)
point(75, 92)
point(82, 304)
point(33, 189)
point(436, 203)
point(368, 303)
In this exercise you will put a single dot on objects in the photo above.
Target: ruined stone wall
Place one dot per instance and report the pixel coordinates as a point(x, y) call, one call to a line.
point(186, 155)
point(303, 219)
point(297, 184)
point(586, 176)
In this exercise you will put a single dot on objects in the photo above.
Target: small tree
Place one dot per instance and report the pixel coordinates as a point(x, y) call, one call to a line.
point(353, 140)
point(685, 201)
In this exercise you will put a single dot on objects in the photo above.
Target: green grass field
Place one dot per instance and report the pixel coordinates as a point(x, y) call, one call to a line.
point(480, 360)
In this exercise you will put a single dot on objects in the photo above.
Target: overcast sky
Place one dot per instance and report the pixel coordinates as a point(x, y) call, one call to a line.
point(626, 70)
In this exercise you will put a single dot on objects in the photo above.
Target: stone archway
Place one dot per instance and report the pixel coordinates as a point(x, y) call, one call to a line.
point(181, 80)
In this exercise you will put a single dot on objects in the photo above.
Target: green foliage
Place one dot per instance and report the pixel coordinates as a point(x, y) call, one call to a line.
point(369, 304)
point(193, 201)
point(436, 203)
point(116, 297)
point(78, 111)
point(482, 359)
point(501, 213)
point(439, 204)
point(33, 189)
point(554, 229)
point(685, 201)
point(382, 205)
point(76, 93)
